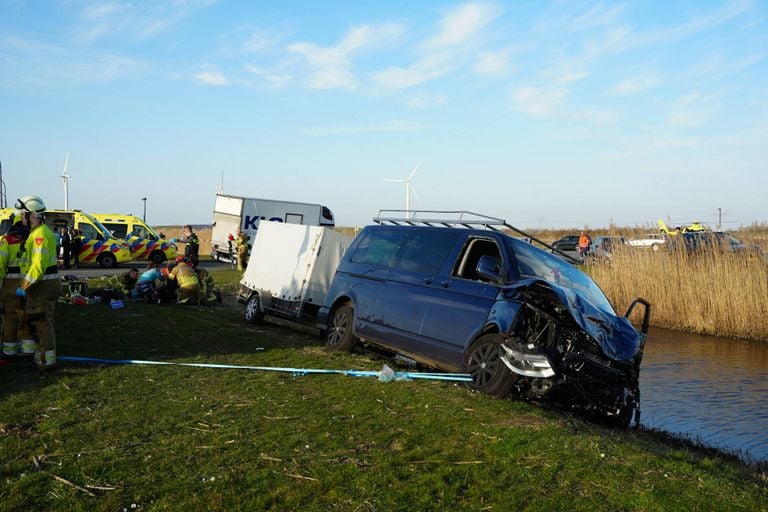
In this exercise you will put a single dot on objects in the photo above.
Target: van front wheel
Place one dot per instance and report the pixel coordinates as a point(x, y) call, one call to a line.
point(339, 335)
point(157, 257)
point(107, 260)
point(483, 362)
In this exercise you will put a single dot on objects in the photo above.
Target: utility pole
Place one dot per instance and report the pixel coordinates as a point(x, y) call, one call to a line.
point(145, 209)
point(719, 218)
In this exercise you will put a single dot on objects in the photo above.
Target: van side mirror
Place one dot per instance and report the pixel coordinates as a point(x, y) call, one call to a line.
point(488, 268)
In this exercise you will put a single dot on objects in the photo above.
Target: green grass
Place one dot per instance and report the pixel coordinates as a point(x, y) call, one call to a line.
point(178, 438)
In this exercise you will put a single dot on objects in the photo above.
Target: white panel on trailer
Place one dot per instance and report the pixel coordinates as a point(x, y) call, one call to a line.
point(294, 262)
point(229, 205)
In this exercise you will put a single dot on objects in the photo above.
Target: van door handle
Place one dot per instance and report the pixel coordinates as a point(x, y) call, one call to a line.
point(445, 284)
point(429, 280)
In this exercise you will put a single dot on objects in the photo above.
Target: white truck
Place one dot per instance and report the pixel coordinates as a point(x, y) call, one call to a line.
point(232, 212)
point(290, 270)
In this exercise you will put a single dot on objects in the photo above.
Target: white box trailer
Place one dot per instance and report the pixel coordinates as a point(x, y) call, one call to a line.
point(232, 212)
point(290, 270)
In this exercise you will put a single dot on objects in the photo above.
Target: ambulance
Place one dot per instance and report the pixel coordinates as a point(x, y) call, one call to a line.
point(145, 242)
point(97, 245)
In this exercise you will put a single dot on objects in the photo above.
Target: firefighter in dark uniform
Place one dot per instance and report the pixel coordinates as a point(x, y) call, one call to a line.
point(40, 285)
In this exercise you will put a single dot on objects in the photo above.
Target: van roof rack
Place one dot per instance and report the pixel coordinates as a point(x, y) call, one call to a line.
point(455, 219)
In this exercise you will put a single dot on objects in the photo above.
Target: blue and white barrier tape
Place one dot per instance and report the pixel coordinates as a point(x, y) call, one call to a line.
point(456, 377)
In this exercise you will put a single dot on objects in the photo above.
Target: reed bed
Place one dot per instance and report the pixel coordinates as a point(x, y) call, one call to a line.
point(717, 293)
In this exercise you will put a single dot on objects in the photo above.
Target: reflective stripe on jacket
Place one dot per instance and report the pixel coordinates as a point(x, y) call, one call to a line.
point(39, 259)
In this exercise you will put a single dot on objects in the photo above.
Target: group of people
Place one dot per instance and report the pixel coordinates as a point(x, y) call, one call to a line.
point(68, 245)
point(29, 285)
point(179, 281)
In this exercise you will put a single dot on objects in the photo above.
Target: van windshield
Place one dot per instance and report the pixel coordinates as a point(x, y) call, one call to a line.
point(534, 262)
point(99, 226)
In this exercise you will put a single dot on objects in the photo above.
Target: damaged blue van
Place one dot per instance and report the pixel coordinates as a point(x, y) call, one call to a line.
point(463, 295)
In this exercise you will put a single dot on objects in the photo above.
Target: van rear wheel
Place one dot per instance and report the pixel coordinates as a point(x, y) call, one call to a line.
point(483, 362)
point(339, 335)
point(157, 257)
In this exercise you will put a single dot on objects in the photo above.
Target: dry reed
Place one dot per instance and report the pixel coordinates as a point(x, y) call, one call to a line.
point(716, 293)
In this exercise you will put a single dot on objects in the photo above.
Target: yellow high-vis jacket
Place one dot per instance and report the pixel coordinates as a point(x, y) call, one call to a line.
point(38, 261)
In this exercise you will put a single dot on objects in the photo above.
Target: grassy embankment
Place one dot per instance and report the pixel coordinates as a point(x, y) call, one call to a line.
point(176, 438)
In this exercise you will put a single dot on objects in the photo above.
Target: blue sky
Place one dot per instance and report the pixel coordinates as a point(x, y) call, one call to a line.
point(560, 114)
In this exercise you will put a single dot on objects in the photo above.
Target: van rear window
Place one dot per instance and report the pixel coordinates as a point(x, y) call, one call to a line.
point(425, 252)
point(379, 247)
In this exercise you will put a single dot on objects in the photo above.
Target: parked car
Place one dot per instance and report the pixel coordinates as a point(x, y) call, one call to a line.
point(653, 241)
point(603, 247)
point(701, 241)
point(568, 245)
point(480, 301)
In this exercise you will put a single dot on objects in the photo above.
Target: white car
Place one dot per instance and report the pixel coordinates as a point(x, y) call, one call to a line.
point(654, 241)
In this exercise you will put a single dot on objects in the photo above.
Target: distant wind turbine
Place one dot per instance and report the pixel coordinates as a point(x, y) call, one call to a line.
point(408, 190)
point(65, 177)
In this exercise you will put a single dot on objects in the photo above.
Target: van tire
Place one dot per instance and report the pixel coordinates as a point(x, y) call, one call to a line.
point(157, 257)
point(483, 362)
point(253, 313)
point(339, 335)
point(107, 260)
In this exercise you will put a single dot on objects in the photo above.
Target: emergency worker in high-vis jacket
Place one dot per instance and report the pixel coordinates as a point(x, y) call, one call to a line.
point(242, 249)
point(186, 277)
point(11, 306)
point(40, 286)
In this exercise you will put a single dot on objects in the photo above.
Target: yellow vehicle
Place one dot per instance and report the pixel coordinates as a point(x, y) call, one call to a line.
point(690, 228)
point(145, 242)
point(97, 245)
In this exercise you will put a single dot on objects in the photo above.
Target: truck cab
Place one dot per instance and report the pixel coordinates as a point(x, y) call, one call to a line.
point(145, 242)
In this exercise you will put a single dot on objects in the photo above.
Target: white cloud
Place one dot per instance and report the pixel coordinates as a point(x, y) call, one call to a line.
point(692, 110)
point(493, 63)
point(423, 100)
point(636, 83)
point(537, 102)
point(212, 77)
point(461, 24)
point(426, 69)
point(390, 126)
point(274, 79)
point(330, 66)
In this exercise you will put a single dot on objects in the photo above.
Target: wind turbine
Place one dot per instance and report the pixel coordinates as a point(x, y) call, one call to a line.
point(65, 177)
point(408, 189)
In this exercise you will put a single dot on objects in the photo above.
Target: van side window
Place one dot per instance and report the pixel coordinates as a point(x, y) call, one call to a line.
point(379, 247)
point(425, 252)
point(88, 231)
point(118, 230)
point(476, 248)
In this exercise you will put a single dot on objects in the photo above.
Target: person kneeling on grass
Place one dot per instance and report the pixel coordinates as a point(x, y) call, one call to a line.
point(124, 283)
point(189, 285)
point(148, 284)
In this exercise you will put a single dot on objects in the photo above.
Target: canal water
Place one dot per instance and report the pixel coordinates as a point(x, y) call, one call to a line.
point(712, 390)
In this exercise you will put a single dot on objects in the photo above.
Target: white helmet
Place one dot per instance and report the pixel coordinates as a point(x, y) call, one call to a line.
point(31, 204)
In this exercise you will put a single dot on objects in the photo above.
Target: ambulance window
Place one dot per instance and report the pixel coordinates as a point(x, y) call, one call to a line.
point(118, 230)
point(141, 232)
point(89, 231)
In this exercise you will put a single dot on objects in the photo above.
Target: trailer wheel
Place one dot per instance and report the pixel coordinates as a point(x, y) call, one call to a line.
point(483, 362)
point(157, 257)
point(339, 334)
point(253, 312)
point(107, 260)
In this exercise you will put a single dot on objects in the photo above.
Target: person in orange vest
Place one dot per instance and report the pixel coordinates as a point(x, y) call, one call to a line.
point(40, 285)
point(584, 243)
point(10, 277)
point(189, 285)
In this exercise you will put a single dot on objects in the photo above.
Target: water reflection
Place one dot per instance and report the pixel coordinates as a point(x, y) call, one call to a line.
point(714, 390)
